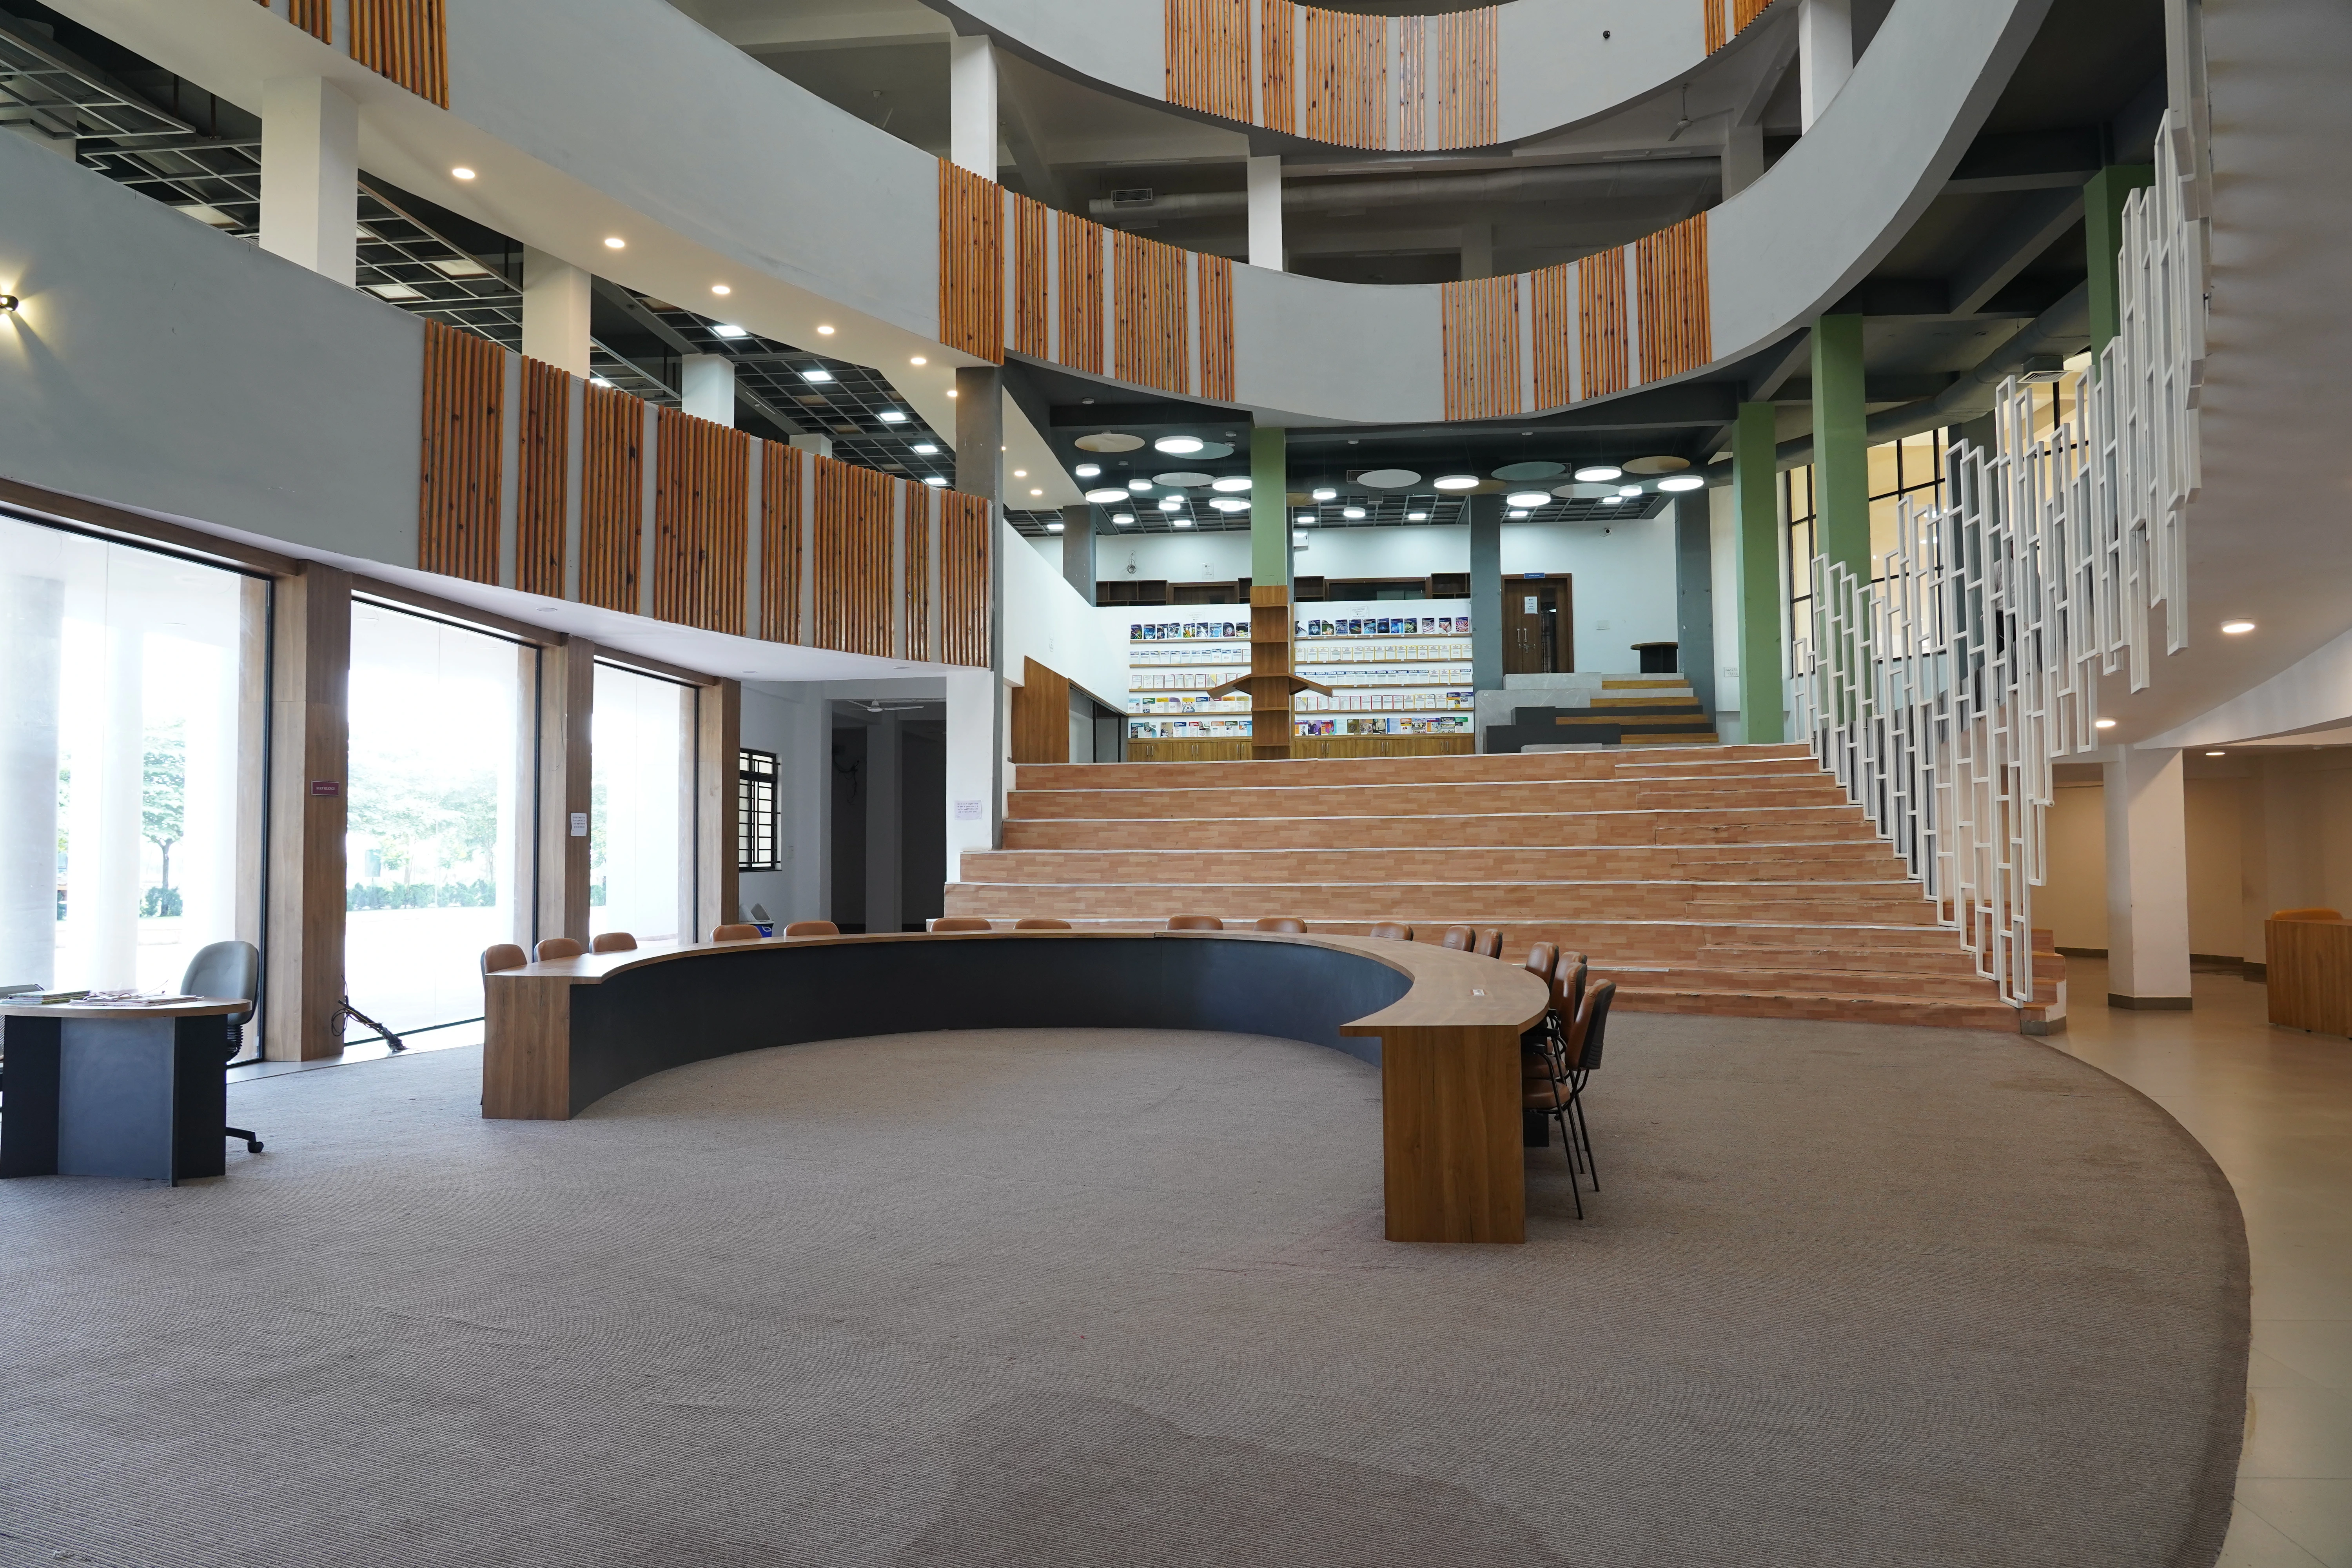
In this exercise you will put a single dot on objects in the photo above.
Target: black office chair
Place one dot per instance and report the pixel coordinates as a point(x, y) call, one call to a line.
point(1559, 1092)
point(227, 969)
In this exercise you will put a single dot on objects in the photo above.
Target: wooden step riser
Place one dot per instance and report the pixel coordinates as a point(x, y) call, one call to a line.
point(1436, 800)
point(1653, 943)
point(1427, 903)
point(1893, 985)
point(1809, 824)
point(1628, 863)
point(1505, 768)
point(1995, 1015)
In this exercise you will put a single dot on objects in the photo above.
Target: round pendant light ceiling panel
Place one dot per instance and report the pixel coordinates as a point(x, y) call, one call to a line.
point(1109, 441)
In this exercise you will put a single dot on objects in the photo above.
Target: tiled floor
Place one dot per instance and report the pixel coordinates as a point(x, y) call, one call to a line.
point(2274, 1108)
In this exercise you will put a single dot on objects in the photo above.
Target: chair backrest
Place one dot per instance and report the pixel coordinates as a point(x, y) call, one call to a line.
point(503, 955)
point(1195, 923)
point(1281, 925)
point(559, 947)
point(735, 932)
point(1592, 1027)
point(1389, 930)
point(1543, 963)
point(961, 922)
point(810, 928)
point(1461, 939)
point(1568, 983)
point(1490, 942)
point(2305, 915)
point(612, 942)
point(224, 970)
point(1040, 922)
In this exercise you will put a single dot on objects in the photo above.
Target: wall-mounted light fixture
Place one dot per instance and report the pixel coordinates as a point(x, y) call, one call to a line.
point(8, 303)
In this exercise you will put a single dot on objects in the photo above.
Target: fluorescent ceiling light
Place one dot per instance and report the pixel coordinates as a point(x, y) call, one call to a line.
point(935, 479)
point(1231, 483)
point(1527, 499)
point(2217, 754)
point(1105, 495)
point(1455, 481)
point(1324, 492)
point(1519, 517)
point(465, 267)
point(728, 329)
point(1052, 528)
point(927, 448)
point(1682, 482)
point(1183, 522)
point(1179, 446)
point(891, 416)
point(1352, 513)
point(1305, 519)
point(212, 215)
point(1227, 503)
point(1600, 473)
point(816, 375)
point(1416, 517)
point(1088, 470)
point(2237, 629)
point(393, 291)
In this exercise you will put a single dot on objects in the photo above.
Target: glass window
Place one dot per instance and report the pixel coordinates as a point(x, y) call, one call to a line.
point(438, 853)
point(641, 825)
point(755, 811)
point(132, 719)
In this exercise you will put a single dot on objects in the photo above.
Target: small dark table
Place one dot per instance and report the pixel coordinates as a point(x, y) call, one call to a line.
point(1658, 657)
point(117, 1091)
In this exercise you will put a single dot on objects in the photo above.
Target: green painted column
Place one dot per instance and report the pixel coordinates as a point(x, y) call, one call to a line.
point(1755, 534)
point(2103, 243)
point(1841, 455)
point(1269, 508)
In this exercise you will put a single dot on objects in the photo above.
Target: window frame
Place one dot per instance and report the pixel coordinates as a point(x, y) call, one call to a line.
point(750, 822)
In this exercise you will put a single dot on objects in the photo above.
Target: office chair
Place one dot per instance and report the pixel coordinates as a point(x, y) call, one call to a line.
point(556, 947)
point(1040, 922)
point(737, 933)
point(1490, 942)
point(227, 970)
point(1195, 923)
point(1461, 939)
point(1558, 1093)
point(503, 955)
point(1281, 925)
point(961, 922)
point(1389, 930)
point(613, 942)
point(812, 928)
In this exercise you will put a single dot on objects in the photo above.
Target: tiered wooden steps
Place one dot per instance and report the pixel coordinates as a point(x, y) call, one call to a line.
point(1658, 711)
point(1735, 879)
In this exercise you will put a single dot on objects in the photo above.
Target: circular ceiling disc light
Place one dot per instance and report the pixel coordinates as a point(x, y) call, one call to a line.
point(1227, 503)
point(1526, 500)
point(1109, 441)
point(1324, 492)
point(1522, 473)
point(1171, 504)
point(1213, 450)
point(1086, 471)
point(1106, 496)
point(1181, 481)
point(1660, 464)
point(1629, 491)
point(1682, 482)
point(1456, 481)
point(1179, 446)
point(1389, 478)
point(1352, 513)
point(1590, 474)
point(1231, 484)
point(1122, 518)
point(1583, 493)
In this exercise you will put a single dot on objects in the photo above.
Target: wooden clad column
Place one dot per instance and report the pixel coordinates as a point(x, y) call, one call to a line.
point(567, 700)
point(717, 882)
point(309, 752)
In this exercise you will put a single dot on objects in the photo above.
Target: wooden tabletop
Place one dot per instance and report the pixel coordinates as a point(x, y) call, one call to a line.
point(206, 1008)
point(1449, 988)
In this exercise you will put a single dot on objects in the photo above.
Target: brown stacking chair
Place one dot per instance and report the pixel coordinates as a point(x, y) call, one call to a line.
point(1195, 923)
point(1558, 1093)
point(613, 942)
point(812, 928)
point(503, 955)
point(735, 933)
point(961, 922)
point(1281, 925)
point(559, 947)
point(1389, 930)
point(1490, 942)
point(1040, 922)
point(1461, 939)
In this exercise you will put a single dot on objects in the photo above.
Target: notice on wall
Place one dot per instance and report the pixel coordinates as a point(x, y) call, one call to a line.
point(967, 811)
point(579, 825)
point(1531, 605)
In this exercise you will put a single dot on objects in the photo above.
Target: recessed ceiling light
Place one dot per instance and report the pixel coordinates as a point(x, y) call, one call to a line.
point(1416, 517)
point(816, 375)
point(2236, 628)
point(614, 242)
point(1086, 471)
point(1324, 492)
point(1183, 522)
point(891, 416)
point(394, 291)
point(926, 447)
point(935, 479)
point(721, 289)
point(1629, 490)
point(1122, 518)
point(1455, 481)
point(1227, 503)
point(2217, 754)
point(1352, 513)
point(1052, 528)
point(728, 329)
point(461, 173)
point(1020, 473)
point(918, 359)
point(2103, 724)
point(1179, 446)
point(1140, 486)
point(951, 392)
point(825, 332)
point(1105, 495)
point(1528, 499)
point(1171, 504)
point(1036, 492)
point(1231, 483)
point(1519, 517)
point(1600, 473)
point(1682, 482)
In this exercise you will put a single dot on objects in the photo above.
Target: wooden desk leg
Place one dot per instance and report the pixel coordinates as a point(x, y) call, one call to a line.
point(1454, 1168)
point(526, 1049)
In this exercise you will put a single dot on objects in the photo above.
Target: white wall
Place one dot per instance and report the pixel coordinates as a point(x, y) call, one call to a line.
point(1047, 620)
point(792, 721)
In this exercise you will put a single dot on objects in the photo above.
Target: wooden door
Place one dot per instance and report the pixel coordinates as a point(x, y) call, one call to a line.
point(1539, 625)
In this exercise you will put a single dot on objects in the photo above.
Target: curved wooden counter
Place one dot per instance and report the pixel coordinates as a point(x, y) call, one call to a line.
point(1442, 1027)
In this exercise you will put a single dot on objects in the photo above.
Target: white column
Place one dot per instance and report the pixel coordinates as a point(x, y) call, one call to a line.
point(555, 299)
point(883, 828)
point(1824, 54)
point(972, 107)
point(2148, 882)
point(1265, 212)
point(706, 387)
point(32, 632)
point(310, 175)
point(971, 772)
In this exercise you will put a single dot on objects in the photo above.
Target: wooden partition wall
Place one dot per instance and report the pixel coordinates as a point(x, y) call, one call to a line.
point(1726, 20)
point(405, 41)
point(1329, 75)
point(687, 520)
point(1041, 715)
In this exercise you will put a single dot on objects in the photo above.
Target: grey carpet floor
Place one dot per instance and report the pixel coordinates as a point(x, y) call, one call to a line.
point(1852, 1295)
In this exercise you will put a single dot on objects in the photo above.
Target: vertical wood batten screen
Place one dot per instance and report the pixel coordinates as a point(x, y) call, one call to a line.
point(963, 579)
point(1482, 348)
point(612, 498)
point(541, 469)
point(852, 552)
point(1671, 272)
point(406, 41)
point(1030, 319)
point(1277, 85)
point(1208, 59)
point(702, 499)
point(316, 17)
point(1726, 20)
point(972, 263)
point(1347, 71)
point(464, 427)
point(1216, 276)
point(1600, 323)
point(1554, 336)
point(1412, 83)
point(1154, 347)
point(1469, 110)
point(782, 551)
point(1078, 290)
point(915, 612)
